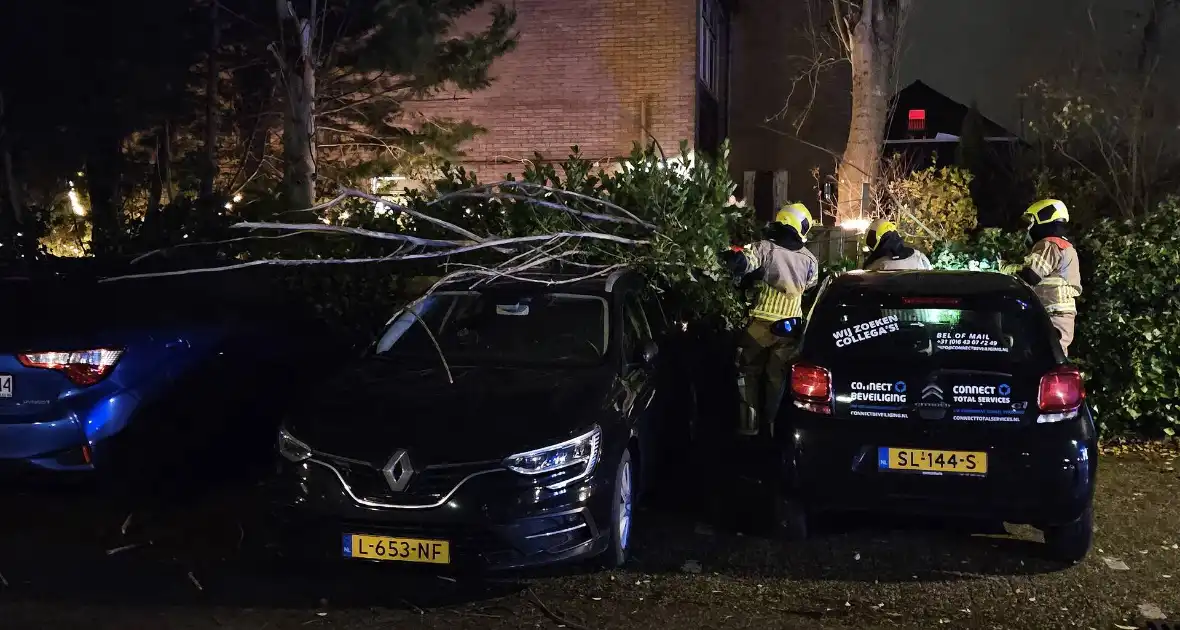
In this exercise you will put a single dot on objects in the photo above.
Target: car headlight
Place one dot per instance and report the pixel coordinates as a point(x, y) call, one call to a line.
point(579, 454)
point(291, 448)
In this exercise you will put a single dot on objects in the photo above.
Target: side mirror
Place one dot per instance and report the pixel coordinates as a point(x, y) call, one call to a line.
point(649, 352)
point(789, 328)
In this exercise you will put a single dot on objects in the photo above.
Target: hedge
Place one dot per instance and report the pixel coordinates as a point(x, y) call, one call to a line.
point(1128, 328)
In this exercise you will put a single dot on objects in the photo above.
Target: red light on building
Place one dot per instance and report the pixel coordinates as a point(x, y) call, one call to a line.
point(917, 118)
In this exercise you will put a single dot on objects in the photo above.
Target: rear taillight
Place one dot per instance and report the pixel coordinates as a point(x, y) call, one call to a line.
point(82, 367)
point(1061, 391)
point(812, 387)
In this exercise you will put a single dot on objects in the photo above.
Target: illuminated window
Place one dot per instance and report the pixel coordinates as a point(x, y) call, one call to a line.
point(917, 119)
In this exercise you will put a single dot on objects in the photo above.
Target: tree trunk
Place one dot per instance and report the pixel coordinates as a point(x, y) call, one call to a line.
point(157, 184)
point(103, 166)
point(299, 170)
point(874, 41)
point(14, 197)
point(209, 170)
point(166, 161)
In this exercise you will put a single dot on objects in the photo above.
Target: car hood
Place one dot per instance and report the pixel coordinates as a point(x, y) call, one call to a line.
point(374, 408)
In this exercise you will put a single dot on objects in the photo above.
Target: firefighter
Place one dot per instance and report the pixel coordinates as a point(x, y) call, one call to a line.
point(1052, 267)
point(781, 269)
point(887, 250)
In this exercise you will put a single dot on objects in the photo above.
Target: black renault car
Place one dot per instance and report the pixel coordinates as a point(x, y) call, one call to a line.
point(497, 425)
point(940, 393)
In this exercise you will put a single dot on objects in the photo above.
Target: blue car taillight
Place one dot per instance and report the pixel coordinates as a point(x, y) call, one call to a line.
point(82, 367)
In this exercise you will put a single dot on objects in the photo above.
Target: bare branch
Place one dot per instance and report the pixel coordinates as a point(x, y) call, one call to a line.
point(317, 227)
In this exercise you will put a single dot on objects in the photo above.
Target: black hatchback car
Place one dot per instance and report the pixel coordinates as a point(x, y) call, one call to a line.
point(939, 393)
point(498, 425)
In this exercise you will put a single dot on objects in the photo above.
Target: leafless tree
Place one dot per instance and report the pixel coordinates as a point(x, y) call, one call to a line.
point(1112, 116)
point(864, 36)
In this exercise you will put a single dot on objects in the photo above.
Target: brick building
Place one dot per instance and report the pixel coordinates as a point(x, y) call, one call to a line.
point(601, 75)
point(606, 74)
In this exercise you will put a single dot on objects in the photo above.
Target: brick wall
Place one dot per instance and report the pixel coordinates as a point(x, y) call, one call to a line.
point(584, 72)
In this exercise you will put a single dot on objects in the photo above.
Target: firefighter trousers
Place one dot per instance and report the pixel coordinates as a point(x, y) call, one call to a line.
point(762, 365)
point(1064, 322)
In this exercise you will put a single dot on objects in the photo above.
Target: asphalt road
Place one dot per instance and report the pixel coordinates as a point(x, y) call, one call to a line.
point(61, 568)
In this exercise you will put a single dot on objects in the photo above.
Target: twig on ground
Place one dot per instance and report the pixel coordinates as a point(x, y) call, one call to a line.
point(561, 619)
point(192, 578)
point(3, 581)
point(411, 606)
point(126, 524)
point(111, 552)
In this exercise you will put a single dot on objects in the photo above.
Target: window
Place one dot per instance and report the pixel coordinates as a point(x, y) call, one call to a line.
point(710, 49)
point(635, 328)
point(712, 91)
point(917, 120)
point(955, 338)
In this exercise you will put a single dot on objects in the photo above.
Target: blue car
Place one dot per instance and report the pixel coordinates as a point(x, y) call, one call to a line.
point(131, 380)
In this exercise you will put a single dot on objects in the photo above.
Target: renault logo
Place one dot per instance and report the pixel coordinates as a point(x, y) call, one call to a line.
point(398, 471)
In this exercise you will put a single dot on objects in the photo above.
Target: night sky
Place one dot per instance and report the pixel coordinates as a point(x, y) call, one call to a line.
point(989, 50)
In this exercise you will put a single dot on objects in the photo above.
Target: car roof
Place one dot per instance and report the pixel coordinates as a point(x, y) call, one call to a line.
point(928, 284)
point(566, 282)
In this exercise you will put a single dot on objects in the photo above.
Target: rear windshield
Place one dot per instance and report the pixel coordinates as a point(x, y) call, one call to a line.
point(945, 332)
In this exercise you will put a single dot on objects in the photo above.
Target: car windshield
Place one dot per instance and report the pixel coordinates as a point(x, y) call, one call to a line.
point(939, 331)
point(553, 329)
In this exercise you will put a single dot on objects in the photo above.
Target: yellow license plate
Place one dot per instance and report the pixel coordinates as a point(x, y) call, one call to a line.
point(371, 547)
point(924, 460)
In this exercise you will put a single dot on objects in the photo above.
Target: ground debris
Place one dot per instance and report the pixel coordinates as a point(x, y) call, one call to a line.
point(192, 578)
point(548, 612)
point(111, 552)
point(1151, 612)
point(1116, 564)
point(691, 566)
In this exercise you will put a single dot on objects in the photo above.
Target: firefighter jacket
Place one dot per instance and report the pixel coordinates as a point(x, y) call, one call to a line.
point(916, 260)
point(1053, 263)
point(785, 275)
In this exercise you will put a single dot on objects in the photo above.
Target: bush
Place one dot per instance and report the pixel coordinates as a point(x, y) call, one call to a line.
point(1128, 328)
point(1128, 337)
point(987, 250)
point(932, 204)
point(689, 201)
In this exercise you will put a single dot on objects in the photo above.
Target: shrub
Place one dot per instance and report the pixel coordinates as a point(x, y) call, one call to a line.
point(1128, 337)
point(987, 250)
point(932, 204)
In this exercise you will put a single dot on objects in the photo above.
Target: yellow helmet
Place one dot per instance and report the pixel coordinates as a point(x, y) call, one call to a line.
point(1047, 211)
point(877, 231)
point(797, 216)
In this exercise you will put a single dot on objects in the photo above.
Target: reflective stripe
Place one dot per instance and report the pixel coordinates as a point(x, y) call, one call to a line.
point(751, 256)
point(774, 305)
point(1041, 262)
point(1057, 295)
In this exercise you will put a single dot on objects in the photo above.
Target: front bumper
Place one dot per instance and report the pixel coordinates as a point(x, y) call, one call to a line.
point(493, 521)
point(1042, 475)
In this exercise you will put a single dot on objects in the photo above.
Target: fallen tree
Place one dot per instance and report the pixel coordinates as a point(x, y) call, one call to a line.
point(665, 217)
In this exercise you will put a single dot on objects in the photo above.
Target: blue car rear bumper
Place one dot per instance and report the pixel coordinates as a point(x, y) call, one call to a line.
point(55, 441)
